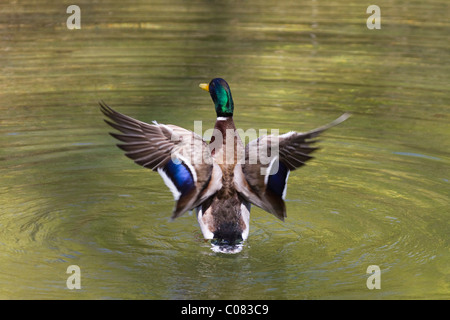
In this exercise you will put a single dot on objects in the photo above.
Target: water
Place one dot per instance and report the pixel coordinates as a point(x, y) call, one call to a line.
point(376, 194)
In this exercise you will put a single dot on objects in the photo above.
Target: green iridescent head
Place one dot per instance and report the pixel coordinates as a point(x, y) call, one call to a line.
point(221, 95)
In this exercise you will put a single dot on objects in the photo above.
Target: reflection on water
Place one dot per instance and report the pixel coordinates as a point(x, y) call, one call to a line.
point(376, 194)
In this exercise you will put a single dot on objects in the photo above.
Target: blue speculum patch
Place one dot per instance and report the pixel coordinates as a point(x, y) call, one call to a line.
point(180, 176)
point(277, 181)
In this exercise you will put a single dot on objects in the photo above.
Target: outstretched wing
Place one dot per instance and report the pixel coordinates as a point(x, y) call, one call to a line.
point(180, 156)
point(268, 162)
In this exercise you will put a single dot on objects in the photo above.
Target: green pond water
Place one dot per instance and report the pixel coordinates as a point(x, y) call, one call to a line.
point(377, 193)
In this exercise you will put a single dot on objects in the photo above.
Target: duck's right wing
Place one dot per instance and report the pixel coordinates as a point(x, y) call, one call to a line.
point(180, 156)
point(266, 173)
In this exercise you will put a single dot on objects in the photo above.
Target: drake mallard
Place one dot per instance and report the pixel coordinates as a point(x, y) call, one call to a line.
point(220, 179)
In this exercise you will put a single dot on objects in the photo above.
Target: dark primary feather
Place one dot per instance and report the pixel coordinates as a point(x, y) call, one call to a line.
point(148, 145)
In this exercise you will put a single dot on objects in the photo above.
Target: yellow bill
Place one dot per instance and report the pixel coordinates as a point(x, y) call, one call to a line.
point(204, 86)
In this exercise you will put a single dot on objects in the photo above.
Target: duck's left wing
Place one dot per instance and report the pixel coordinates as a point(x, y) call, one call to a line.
point(266, 173)
point(180, 156)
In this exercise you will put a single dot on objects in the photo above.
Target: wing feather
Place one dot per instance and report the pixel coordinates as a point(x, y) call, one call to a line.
point(294, 149)
point(181, 157)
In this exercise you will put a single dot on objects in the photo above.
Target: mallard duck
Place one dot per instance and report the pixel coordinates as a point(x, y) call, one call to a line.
point(220, 179)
